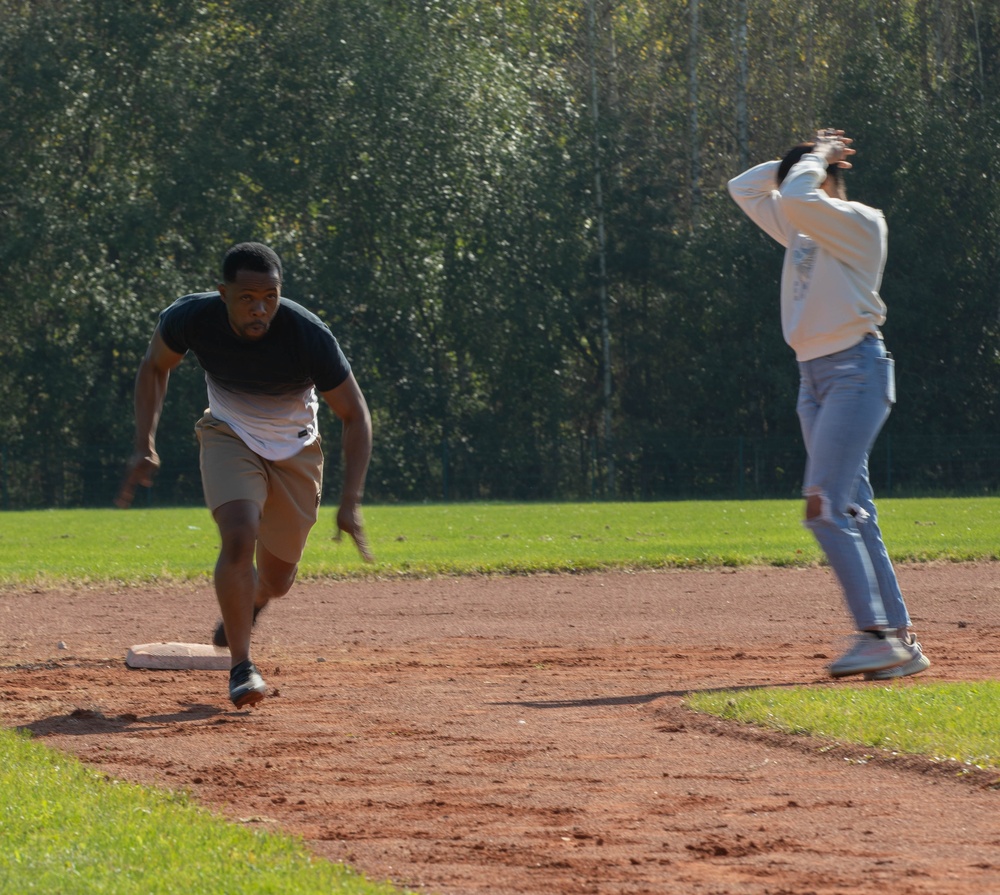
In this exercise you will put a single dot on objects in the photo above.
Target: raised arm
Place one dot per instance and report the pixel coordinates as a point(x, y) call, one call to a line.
point(150, 391)
point(756, 193)
point(850, 231)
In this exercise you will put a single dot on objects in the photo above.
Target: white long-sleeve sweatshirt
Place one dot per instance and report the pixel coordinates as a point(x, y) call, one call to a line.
point(834, 255)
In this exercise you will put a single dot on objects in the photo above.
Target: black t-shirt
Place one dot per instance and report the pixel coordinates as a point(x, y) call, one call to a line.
point(297, 351)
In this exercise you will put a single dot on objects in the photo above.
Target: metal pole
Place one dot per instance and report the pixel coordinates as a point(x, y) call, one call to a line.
point(888, 463)
point(444, 468)
point(740, 489)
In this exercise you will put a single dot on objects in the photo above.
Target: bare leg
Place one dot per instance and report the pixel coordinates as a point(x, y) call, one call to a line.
point(235, 575)
point(275, 577)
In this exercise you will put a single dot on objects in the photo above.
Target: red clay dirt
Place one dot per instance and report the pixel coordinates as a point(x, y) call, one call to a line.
point(528, 734)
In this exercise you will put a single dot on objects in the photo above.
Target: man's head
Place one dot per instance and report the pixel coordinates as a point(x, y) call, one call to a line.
point(250, 256)
point(250, 288)
point(834, 173)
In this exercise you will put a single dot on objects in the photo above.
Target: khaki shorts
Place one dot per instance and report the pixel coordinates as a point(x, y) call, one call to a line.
point(287, 491)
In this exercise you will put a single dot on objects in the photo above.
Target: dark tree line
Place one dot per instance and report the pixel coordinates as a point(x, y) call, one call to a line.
point(428, 172)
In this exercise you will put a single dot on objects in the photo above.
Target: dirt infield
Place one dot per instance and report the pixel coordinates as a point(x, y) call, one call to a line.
point(527, 735)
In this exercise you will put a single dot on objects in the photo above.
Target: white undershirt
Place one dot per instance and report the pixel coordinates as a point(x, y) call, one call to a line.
point(275, 426)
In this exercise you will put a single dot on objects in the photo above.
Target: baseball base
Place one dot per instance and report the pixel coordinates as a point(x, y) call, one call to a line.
point(178, 656)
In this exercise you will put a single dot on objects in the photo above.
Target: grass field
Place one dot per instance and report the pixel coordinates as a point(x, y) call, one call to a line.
point(955, 722)
point(133, 546)
point(66, 829)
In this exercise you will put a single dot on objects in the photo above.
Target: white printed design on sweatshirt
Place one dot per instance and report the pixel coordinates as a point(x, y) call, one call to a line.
point(804, 259)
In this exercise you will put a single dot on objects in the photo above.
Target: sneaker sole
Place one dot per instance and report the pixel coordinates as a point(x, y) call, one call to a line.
point(921, 663)
point(250, 698)
point(839, 672)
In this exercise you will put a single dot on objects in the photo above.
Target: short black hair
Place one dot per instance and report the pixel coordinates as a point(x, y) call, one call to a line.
point(250, 256)
point(794, 154)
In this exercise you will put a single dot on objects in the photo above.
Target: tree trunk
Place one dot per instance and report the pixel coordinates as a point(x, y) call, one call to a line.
point(742, 76)
point(693, 114)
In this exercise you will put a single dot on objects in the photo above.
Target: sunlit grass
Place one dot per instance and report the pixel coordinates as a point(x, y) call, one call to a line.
point(65, 829)
point(943, 721)
point(176, 544)
point(69, 830)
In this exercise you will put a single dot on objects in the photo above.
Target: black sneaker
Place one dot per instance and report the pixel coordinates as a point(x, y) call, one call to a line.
point(246, 686)
point(219, 634)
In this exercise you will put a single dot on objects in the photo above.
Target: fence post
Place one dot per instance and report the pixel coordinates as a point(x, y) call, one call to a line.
point(593, 467)
point(888, 463)
point(740, 480)
point(444, 469)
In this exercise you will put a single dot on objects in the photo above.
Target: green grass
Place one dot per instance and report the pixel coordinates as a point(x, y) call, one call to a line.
point(944, 721)
point(137, 545)
point(69, 830)
point(65, 829)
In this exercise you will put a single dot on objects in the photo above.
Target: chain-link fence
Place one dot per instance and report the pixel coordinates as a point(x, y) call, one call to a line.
point(660, 468)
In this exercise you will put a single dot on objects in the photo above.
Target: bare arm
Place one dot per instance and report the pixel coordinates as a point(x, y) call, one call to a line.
point(348, 402)
point(150, 391)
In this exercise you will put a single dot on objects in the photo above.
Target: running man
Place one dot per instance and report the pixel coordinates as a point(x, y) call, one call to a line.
point(266, 361)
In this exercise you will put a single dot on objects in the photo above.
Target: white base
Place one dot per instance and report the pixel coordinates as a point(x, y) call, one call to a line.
point(179, 656)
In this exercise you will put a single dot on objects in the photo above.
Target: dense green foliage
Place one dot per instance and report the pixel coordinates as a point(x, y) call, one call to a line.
point(427, 172)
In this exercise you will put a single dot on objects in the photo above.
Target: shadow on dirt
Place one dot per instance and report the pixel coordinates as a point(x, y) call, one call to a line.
point(634, 699)
point(82, 722)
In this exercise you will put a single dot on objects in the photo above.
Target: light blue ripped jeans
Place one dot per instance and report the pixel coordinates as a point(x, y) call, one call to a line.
point(844, 400)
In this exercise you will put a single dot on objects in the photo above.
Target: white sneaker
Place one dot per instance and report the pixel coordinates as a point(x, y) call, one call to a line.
point(871, 653)
point(917, 662)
